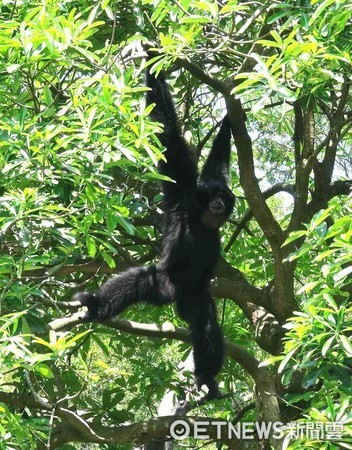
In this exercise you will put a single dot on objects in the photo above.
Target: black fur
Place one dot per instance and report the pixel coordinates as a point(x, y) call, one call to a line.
point(195, 208)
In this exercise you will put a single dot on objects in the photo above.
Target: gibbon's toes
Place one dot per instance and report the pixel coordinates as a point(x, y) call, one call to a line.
point(91, 302)
point(85, 298)
point(212, 385)
point(150, 48)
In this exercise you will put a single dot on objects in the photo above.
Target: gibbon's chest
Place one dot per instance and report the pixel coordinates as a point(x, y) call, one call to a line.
point(190, 253)
point(203, 249)
point(203, 246)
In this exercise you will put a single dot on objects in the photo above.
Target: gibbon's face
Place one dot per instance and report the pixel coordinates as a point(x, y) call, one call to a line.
point(215, 203)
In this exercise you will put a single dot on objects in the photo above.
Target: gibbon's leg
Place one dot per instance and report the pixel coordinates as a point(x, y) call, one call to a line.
point(207, 339)
point(139, 284)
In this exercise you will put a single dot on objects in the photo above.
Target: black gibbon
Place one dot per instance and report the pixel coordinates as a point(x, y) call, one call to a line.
point(195, 207)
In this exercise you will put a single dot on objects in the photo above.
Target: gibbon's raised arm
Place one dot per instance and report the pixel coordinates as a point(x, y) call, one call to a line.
point(217, 164)
point(180, 165)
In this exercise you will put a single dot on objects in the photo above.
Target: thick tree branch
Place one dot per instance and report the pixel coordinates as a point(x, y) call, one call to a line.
point(231, 283)
point(280, 187)
point(77, 429)
point(283, 301)
point(166, 330)
point(339, 125)
point(345, 89)
point(202, 75)
point(23, 401)
point(339, 188)
point(145, 431)
point(304, 147)
point(248, 178)
point(261, 375)
point(94, 266)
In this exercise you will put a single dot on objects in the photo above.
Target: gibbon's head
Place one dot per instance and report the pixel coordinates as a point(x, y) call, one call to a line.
point(214, 203)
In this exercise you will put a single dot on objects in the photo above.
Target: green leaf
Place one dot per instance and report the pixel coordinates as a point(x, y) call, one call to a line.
point(325, 4)
point(343, 273)
point(286, 93)
point(44, 370)
point(91, 57)
point(24, 237)
point(48, 98)
point(267, 43)
point(126, 224)
point(109, 260)
point(327, 345)
point(109, 11)
point(209, 6)
point(346, 344)
point(103, 347)
point(294, 236)
point(196, 19)
point(286, 359)
point(91, 246)
point(93, 14)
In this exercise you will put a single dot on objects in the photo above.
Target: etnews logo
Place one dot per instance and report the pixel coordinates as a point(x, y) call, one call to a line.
point(181, 429)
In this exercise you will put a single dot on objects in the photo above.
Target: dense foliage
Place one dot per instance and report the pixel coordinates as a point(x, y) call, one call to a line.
point(80, 200)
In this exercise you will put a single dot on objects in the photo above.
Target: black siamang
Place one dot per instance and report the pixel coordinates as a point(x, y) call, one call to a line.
point(195, 208)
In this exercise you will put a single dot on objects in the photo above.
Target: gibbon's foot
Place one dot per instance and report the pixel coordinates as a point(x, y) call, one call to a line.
point(148, 46)
point(212, 385)
point(90, 301)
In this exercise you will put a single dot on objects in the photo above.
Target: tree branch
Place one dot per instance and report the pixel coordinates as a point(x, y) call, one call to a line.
point(280, 187)
point(282, 301)
point(203, 75)
point(340, 187)
point(166, 330)
point(261, 375)
point(23, 401)
point(145, 431)
point(303, 145)
point(248, 179)
point(76, 429)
